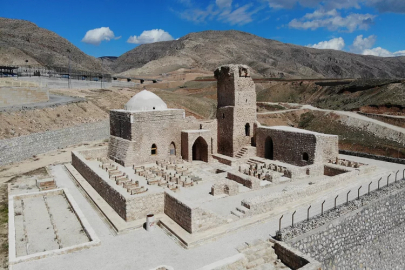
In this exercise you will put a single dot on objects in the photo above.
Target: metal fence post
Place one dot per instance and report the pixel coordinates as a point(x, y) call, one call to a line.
point(358, 193)
point(379, 183)
point(403, 174)
point(388, 178)
point(396, 175)
point(292, 222)
point(347, 196)
point(336, 199)
point(308, 212)
point(369, 187)
point(279, 223)
point(322, 208)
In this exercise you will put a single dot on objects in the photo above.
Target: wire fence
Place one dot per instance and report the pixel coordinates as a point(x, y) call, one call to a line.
point(359, 193)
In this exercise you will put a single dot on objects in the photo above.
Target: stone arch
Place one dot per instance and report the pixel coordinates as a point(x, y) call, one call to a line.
point(200, 149)
point(247, 129)
point(172, 149)
point(269, 148)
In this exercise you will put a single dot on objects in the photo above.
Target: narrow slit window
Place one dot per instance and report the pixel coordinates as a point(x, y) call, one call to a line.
point(153, 150)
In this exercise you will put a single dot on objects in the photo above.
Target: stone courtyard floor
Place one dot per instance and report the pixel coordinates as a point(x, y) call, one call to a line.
point(139, 249)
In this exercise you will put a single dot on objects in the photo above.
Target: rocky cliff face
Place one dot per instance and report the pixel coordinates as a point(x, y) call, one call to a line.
point(269, 58)
point(22, 40)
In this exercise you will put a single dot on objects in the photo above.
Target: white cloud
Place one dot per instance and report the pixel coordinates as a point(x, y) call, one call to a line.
point(97, 35)
point(382, 6)
point(224, 3)
point(239, 16)
point(150, 36)
point(334, 44)
point(378, 51)
point(333, 21)
point(361, 44)
point(224, 11)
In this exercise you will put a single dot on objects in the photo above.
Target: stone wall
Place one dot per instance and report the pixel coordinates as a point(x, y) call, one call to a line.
point(24, 147)
point(190, 217)
point(225, 187)
point(246, 180)
point(369, 237)
point(293, 258)
point(290, 145)
point(111, 196)
point(131, 207)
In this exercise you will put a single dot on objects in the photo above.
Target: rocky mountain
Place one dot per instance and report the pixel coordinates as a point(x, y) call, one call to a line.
point(269, 58)
point(22, 40)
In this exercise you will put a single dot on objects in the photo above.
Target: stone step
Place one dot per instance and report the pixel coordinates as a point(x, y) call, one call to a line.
point(237, 213)
point(242, 209)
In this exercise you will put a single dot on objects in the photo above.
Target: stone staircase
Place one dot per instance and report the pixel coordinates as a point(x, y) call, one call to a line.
point(240, 211)
point(242, 152)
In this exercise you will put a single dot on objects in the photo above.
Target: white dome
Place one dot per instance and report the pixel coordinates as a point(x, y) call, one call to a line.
point(145, 101)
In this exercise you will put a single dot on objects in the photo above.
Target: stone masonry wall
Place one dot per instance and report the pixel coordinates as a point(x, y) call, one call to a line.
point(288, 146)
point(110, 195)
point(131, 208)
point(178, 211)
point(24, 147)
point(371, 237)
point(191, 218)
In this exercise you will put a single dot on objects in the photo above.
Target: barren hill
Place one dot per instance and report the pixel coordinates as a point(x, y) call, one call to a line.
point(22, 40)
point(269, 58)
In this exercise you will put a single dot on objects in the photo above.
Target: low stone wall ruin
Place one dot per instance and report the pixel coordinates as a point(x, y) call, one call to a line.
point(246, 180)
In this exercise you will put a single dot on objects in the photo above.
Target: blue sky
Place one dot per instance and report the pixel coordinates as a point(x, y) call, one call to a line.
point(111, 28)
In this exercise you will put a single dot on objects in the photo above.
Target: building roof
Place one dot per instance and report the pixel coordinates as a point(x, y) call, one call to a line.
point(145, 101)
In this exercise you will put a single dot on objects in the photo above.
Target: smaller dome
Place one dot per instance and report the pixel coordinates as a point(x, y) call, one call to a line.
point(145, 101)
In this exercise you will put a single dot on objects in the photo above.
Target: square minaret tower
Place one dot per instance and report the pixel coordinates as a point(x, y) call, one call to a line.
point(236, 111)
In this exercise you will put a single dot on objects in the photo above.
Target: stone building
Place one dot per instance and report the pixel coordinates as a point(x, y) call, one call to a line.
point(236, 113)
point(146, 130)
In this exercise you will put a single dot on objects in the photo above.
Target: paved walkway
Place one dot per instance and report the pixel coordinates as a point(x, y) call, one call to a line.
point(144, 250)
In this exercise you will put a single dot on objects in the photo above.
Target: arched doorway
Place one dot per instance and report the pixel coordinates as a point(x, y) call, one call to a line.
point(172, 149)
point(247, 129)
point(200, 150)
point(268, 148)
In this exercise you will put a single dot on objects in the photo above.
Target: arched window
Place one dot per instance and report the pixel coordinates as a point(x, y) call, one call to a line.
point(153, 150)
point(247, 129)
point(200, 126)
point(223, 116)
point(172, 149)
point(305, 157)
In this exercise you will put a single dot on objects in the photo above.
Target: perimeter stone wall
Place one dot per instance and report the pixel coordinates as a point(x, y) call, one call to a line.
point(371, 237)
point(24, 147)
